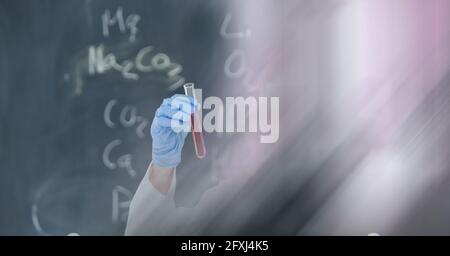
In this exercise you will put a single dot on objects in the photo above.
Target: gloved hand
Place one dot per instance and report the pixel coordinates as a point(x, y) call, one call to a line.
point(169, 129)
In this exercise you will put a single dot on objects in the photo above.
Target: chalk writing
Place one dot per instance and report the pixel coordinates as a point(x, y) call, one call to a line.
point(237, 58)
point(128, 118)
point(128, 24)
point(121, 199)
point(145, 61)
point(123, 161)
point(224, 30)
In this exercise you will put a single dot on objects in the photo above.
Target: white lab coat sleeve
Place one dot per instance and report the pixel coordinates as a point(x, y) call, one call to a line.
point(149, 209)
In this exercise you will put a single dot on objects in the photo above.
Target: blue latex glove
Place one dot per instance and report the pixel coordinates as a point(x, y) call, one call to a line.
point(169, 130)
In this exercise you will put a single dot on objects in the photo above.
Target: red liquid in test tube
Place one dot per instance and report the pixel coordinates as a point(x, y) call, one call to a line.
point(197, 135)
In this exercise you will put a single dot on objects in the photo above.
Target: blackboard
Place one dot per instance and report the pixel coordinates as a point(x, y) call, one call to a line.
point(79, 82)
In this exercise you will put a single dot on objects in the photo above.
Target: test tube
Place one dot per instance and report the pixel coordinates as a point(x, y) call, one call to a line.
point(197, 134)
